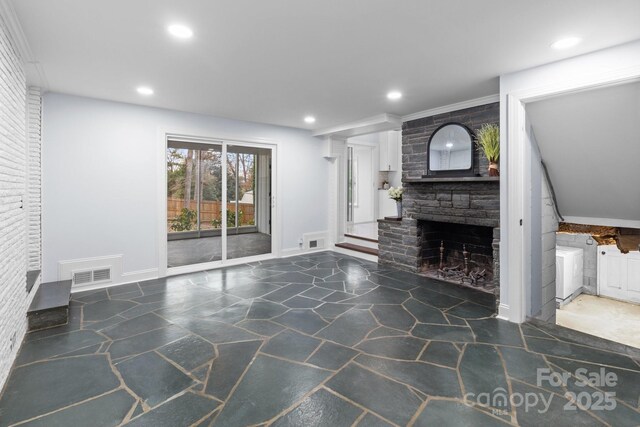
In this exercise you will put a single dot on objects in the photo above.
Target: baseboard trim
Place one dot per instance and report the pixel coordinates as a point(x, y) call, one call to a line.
point(503, 312)
point(291, 252)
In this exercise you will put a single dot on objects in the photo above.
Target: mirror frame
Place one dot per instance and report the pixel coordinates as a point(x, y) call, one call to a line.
point(456, 172)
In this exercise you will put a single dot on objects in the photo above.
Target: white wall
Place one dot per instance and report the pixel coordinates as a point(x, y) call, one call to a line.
point(100, 169)
point(597, 68)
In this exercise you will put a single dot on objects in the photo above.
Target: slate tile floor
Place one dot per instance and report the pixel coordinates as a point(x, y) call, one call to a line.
point(322, 339)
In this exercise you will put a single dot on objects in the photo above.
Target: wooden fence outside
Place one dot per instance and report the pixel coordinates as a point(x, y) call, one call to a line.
point(210, 210)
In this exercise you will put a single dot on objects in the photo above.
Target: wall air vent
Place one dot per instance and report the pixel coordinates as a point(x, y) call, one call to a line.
point(89, 277)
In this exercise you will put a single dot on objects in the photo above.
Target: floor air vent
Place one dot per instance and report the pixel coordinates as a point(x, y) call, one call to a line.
point(91, 276)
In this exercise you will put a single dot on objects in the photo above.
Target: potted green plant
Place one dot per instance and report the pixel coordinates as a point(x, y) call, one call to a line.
point(488, 140)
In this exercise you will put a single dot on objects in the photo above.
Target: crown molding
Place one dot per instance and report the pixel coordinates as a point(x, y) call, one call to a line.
point(452, 107)
point(378, 123)
point(20, 43)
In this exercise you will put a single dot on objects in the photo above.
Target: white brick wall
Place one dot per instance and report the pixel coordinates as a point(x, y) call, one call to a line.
point(34, 207)
point(14, 299)
point(549, 228)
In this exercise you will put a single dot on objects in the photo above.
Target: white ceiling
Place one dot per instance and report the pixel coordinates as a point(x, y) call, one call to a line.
point(276, 61)
point(590, 142)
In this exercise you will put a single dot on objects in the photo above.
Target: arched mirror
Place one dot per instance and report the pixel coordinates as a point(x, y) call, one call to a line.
point(451, 150)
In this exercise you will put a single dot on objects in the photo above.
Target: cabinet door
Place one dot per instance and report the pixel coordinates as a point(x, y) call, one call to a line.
point(389, 147)
point(393, 148)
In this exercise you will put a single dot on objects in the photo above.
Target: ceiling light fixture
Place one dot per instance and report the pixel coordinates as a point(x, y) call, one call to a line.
point(309, 119)
point(449, 144)
point(180, 31)
point(566, 43)
point(394, 95)
point(145, 90)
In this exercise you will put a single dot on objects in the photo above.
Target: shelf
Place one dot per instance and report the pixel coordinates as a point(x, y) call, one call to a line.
point(453, 179)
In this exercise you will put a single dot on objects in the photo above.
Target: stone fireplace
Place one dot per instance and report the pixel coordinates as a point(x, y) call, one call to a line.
point(456, 213)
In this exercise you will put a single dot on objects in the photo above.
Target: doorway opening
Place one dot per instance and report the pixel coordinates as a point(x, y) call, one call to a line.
point(218, 202)
point(586, 261)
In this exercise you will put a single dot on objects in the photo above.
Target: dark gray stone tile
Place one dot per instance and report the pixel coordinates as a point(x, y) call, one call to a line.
point(153, 378)
point(532, 331)
point(182, 411)
point(481, 371)
point(108, 410)
point(331, 310)
point(393, 316)
point(104, 309)
point(332, 356)
point(350, 328)
point(320, 273)
point(114, 291)
point(441, 353)
point(302, 302)
point(292, 277)
point(208, 308)
point(226, 370)
point(405, 348)
point(83, 351)
point(45, 348)
point(216, 332)
point(252, 290)
point(371, 420)
point(287, 292)
point(435, 299)
point(316, 292)
point(188, 352)
point(50, 385)
point(291, 345)
point(361, 285)
point(146, 341)
point(135, 326)
point(578, 352)
point(443, 333)
point(627, 386)
point(391, 283)
point(303, 320)
point(261, 327)
point(98, 326)
point(90, 296)
point(448, 413)
point(456, 321)
point(254, 400)
point(232, 314)
point(383, 331)
point(554, 415)
point(265, 310)
point(424, 313)
point(321, 409)
point(333, 286)
point(496, 331)
point(338, 296)
point(429, 379)
point(381, 295)
point(390, 399)
point(522, 365)
point(469, 310)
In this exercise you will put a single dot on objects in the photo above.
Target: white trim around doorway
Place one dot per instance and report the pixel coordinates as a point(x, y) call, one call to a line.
point(514, 243)
point(163, 136)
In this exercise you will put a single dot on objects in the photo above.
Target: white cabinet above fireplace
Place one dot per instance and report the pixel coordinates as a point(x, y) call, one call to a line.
point(389, 150)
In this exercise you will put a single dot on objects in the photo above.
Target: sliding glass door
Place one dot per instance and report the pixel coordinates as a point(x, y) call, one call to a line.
point(206, 224)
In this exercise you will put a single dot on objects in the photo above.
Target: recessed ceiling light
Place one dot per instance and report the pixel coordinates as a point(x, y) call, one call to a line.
point(180, 31)
point(566, 43)
point(145, 90)
point(394, 95)
point(449, 144)
point(309, 119)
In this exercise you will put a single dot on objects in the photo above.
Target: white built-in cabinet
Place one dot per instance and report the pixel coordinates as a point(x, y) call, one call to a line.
point(618, 274)
point(389, 150)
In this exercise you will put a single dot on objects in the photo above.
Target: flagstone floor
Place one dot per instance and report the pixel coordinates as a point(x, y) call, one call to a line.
point(317, 340)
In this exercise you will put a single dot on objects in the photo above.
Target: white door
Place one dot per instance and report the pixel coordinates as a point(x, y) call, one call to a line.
point(618, 274)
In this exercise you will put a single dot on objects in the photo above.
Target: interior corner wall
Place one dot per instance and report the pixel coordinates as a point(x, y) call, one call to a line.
point(100, 172)
point(14, 199)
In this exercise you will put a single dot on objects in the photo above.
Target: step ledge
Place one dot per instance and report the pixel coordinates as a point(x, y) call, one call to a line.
point(358, 248)
point(367, 239)
point(51, 295)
